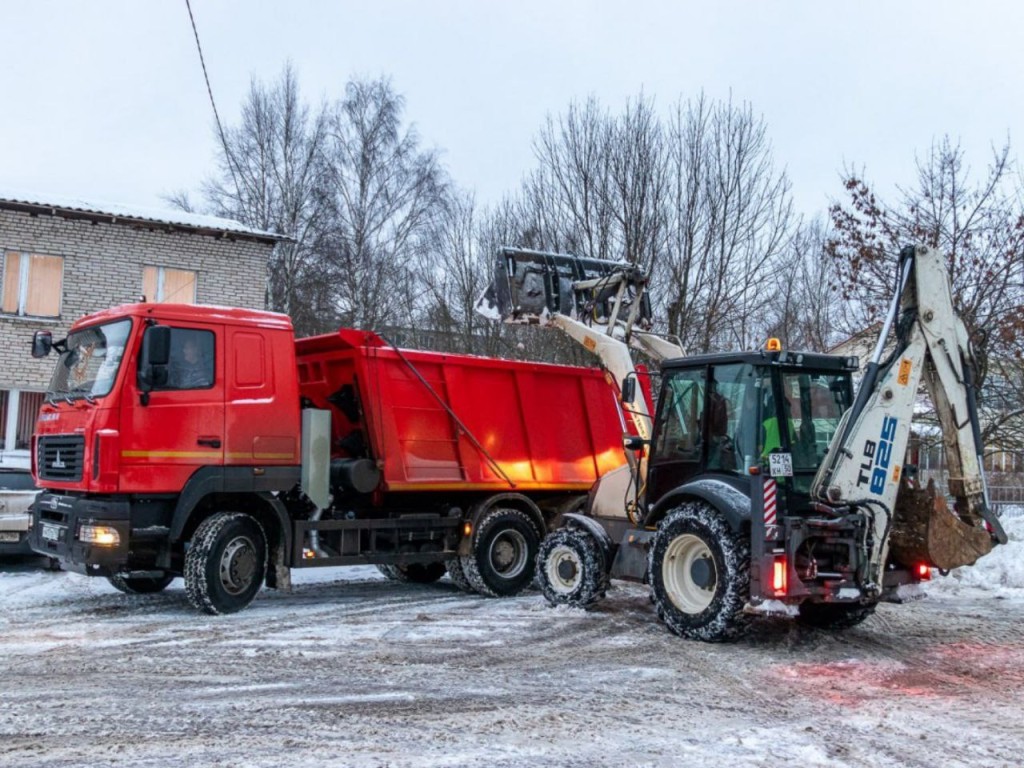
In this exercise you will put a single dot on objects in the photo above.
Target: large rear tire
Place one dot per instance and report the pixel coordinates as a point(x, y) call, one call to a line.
point(226, 563)
point(140, 586)
point(700, 574)
point(504, 553)
point(835, 615)
point(571, 568)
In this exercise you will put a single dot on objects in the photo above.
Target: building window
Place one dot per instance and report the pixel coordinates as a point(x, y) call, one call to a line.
point(166, 285)
point(18, 413)
point(32, 284)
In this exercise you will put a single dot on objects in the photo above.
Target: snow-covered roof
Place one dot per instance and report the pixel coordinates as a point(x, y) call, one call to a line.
point(116, 213)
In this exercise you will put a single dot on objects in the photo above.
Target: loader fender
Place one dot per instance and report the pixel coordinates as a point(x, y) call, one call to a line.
point(730, 498)
point(513, 500)
point(595, 529)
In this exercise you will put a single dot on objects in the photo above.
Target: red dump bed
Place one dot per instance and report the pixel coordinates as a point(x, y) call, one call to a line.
point(538, 426)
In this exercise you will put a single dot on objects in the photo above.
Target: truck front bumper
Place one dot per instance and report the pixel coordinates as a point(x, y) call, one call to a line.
point(57, 521)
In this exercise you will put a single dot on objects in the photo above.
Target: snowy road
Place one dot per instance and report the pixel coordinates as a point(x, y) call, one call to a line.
point(352, 670)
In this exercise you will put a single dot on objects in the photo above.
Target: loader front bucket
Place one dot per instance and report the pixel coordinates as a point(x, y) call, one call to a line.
point(925, 530)
point(529, 286)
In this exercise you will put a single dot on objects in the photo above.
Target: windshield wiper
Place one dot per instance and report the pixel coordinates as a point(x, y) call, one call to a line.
point(85, 391)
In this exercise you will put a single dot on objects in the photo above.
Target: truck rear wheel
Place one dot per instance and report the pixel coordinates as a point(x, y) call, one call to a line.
point(571, 569)
point(504, 553)
point(700, 574)
point(226, 563)
point(416, 573)
point(140, 586)
point(457, 575)
point(835, 615)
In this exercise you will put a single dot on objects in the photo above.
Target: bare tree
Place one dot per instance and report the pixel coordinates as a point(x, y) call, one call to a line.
point(271, 176)
point(729, 220)
point(385, 190)
point(980, 227)
point(805, 309)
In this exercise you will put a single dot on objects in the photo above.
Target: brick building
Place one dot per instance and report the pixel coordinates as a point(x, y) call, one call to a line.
point(64, 259)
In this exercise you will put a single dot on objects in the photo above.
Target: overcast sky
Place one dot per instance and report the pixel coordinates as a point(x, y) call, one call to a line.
point(105, 100)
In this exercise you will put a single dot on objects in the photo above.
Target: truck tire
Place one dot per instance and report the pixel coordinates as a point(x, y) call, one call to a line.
point(835, 615)
point(700, 574)
point(571, 568)
point(458, 576)
point(226, 563)
point(140, 586)
point(504, 553)
point(390, 572)
point(416, 573)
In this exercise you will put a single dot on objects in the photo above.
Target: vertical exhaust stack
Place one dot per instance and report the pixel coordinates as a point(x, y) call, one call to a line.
point(531, 286)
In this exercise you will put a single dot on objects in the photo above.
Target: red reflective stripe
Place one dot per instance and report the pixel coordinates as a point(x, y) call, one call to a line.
point(769, 502)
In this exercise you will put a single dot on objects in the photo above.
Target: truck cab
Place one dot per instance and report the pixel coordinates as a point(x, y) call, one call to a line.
point(151, 410)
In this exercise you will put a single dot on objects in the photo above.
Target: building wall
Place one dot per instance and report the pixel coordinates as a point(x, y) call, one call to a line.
point(103, 266)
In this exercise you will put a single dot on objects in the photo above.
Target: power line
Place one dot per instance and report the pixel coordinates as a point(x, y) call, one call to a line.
point(209, 90)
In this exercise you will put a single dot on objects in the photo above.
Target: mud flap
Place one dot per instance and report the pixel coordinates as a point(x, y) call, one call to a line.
point(925, 530)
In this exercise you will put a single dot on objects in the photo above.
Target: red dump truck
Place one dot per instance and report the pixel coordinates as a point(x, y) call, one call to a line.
point(208, 443)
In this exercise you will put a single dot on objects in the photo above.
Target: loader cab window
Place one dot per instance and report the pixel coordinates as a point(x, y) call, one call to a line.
point(731, 417)
point(191, 362)
point(813, 404)
point(679, 422)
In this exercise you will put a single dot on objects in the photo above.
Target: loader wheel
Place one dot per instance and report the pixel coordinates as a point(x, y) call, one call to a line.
point(140, 586)
point(226, 563)
point(571, 569)
point(700, 574)
point(458, 576)
point(504, 553)
point(835, 615)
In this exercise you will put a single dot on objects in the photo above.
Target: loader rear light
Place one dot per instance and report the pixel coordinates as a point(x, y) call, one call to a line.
point(780, 576)
point(467, 529)
point(923, 572)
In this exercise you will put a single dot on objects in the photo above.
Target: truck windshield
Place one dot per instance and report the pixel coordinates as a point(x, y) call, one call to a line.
point(89, 365)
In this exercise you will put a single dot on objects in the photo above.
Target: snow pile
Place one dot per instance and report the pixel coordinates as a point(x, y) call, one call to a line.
point(1000, 571)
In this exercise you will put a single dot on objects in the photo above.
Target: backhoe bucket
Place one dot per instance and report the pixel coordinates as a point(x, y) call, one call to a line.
point(925, 530)
point(529, 286)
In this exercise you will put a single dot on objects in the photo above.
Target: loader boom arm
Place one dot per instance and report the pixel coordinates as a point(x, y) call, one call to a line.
point(601, 305)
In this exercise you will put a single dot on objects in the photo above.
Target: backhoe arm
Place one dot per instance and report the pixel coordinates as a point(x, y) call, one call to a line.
point(864, 466)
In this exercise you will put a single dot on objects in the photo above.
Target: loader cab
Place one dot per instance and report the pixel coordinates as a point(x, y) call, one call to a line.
point(739, 417)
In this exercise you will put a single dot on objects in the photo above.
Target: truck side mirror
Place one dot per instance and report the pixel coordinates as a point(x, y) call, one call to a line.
point(156, 352)
point(628, 389)
point(42, 343)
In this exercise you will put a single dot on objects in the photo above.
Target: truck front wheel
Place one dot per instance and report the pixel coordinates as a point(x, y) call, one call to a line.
point(504, 553)
point(145, 585)
point(571, 568)
point(226, 563)
point(700, 574)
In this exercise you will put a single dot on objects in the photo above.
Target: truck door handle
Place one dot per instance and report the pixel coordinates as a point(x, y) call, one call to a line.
point(210, 442)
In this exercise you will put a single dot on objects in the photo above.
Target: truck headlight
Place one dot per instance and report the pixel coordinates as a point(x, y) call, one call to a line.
point(100, 535)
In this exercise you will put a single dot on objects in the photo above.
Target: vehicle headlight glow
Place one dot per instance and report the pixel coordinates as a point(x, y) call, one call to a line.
point(100, 535)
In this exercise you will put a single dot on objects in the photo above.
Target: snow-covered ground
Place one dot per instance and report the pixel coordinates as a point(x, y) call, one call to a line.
point(349, 669)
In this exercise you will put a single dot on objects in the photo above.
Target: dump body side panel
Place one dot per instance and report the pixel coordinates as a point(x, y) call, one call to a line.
point(438, 421)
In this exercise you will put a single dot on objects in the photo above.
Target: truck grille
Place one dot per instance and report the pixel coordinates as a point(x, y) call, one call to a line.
point(60, 457)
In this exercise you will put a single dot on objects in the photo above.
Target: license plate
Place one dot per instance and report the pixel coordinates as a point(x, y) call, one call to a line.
point(51, 532)
point(9, 537)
